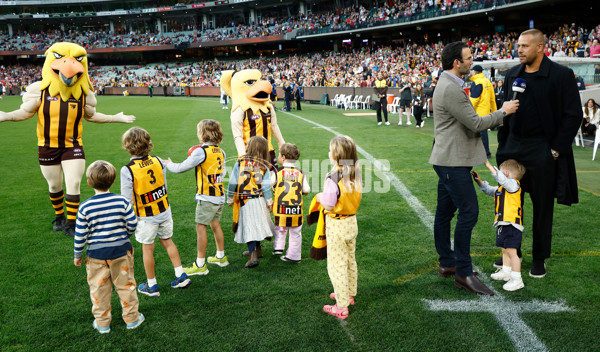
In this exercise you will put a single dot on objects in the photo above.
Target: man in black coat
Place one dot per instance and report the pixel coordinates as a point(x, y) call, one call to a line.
point(540, 135)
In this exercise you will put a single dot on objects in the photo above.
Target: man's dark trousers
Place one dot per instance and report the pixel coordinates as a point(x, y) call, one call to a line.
point(455, 191)
point(539, 181)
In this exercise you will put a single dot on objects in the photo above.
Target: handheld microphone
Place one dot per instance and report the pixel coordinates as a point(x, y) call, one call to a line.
point(518, 86)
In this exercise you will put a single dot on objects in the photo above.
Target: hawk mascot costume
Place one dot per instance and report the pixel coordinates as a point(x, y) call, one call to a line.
point(252, 114)
point(61, 100)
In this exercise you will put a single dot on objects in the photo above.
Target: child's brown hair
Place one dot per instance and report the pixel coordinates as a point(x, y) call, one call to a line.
point(101, 175)
point(258, 150)
point(137, 141)
point(516, 169)
point(209, 131)
point(289, 151)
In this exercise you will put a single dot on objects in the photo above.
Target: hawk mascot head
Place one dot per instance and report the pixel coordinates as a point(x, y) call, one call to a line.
point(247, 90)
point(65, 71)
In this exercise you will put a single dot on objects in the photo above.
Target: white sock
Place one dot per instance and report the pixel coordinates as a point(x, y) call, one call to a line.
point(516, 275)
point(152, 282)
point(507, 269)
point(220, 254)
point(178, 271)
point(200, 262)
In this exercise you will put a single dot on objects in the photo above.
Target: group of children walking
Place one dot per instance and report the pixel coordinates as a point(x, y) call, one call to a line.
point(107, 220)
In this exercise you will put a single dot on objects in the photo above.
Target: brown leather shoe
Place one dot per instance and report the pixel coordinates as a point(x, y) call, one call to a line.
point(444, 271)
point(472, 284)
point(252, 260)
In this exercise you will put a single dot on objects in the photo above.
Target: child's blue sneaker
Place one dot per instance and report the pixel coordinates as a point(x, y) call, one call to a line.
point(149, 291)
point(181, 282)
point(136, 323)
point(102, 330)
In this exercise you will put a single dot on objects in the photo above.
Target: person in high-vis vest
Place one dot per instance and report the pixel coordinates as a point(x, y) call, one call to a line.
point(249, 193)
point(340, 199)
point(144, 183)
point(62, 100)
point(289, 185)
point(508, 221)
point(208, 159)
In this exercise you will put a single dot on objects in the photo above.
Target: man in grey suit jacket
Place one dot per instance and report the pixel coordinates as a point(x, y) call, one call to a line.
point(457, 148)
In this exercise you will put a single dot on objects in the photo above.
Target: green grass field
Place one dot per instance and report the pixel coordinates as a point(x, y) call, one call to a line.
point(44, 298)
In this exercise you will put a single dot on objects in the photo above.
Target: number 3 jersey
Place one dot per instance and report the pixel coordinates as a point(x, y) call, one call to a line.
point(143, 181)
point(287, 207)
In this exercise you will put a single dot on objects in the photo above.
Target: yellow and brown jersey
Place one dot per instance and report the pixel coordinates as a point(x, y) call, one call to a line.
point(209, 174)
point(287, 207)
point(509, 206)
point(250, 180)
point(258, 124)
point(59, 123)
point(149, 187)
point(348, 199)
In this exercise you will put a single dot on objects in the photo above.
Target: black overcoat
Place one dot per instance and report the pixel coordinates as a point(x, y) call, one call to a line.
point(559, 104)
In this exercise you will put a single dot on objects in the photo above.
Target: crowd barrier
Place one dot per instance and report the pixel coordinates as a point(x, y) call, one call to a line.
point(310, 93)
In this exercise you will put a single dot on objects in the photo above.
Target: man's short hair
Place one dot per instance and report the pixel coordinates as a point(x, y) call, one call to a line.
point(101, 175)
point(537, 35)
point(290, 151)
point(451, 52)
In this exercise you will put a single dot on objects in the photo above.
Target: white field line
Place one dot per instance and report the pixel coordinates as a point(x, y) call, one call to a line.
point(506, 312)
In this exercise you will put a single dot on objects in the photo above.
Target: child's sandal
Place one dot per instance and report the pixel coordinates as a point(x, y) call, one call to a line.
point(332, 296)
point(340, 313)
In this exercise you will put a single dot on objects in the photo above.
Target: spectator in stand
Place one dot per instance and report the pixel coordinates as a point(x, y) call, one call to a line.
point(591, 116)
point(595, 49)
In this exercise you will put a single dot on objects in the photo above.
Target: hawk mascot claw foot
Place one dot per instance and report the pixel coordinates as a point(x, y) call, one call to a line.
point(61, 100)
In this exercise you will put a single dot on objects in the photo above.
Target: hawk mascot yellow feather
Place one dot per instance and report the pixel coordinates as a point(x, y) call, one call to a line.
point(61, 100)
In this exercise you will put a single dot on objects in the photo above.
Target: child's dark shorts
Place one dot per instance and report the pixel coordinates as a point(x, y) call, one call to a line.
point(508, 236)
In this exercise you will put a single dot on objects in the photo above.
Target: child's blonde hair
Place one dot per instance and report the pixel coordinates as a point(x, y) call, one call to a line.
point(514, 167)
point(209, 131)
point(101, 175)
point(137, 141)
point(289, 151)
point(343, 153)
point(258, 150)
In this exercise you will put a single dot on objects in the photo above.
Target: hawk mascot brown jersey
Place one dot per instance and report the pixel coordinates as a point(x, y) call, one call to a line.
point(252, 113)
point(61, 100)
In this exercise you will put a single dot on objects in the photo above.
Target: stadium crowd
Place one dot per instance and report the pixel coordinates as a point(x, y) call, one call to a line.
point(335, 20)
point(347, 68)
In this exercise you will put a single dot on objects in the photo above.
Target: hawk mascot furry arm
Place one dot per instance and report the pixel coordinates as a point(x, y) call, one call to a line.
point(251, 110)
point(61, 100)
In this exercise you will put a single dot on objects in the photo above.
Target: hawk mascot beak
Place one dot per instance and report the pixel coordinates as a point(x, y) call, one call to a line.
point(247, 90)
point(65, 71)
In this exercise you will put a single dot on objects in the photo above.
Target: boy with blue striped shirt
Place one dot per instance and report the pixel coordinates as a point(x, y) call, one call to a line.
point(105, 222)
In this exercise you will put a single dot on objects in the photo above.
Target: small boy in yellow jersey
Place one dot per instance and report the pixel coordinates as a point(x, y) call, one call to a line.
point(508, 198)
point(209, 160)
point(143, 183)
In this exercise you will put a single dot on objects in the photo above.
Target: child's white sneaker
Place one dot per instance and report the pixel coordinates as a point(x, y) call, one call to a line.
point(102, 330)
point(136, 323)
point(514, 284)
point(501, 275)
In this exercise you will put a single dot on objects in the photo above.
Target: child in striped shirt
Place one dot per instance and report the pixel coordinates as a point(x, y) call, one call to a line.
point(105, 222)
